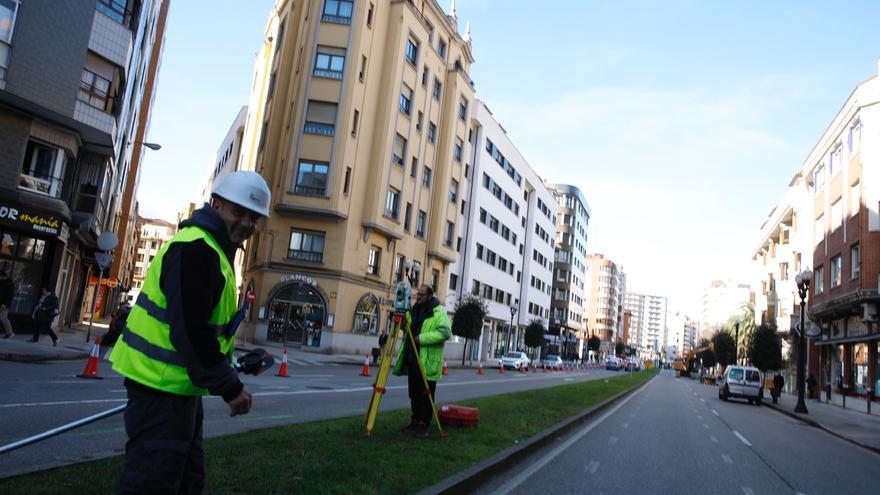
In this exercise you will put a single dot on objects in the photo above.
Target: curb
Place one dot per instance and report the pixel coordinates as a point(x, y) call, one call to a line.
point(472, 478)
point(36, 358)
point(820, 426)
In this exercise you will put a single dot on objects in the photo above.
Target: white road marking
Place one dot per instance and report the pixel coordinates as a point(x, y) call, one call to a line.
point(612, 440)
point(727, 458)
point(702, 400)
point(699, 417)
point(539, 464)
point(705, 426)
point(742, 438)
point(591, 467)
point(715, 413)
point(712, 437)
point(747, 491)
point(624, 425)
point(632, 415)
point(117, 391)
point(280, 387)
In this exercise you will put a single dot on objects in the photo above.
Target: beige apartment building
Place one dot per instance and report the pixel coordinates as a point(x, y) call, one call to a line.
point(362, 135)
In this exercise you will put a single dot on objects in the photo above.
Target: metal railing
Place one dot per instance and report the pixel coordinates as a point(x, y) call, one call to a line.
point(307, 256)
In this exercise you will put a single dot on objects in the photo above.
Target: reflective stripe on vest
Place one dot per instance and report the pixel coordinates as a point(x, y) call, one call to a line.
point(144, 351)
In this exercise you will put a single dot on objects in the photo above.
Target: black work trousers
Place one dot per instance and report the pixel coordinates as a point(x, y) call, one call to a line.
point(418, 401)
point(164, 452)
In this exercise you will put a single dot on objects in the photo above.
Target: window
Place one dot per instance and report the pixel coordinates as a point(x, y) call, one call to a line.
point(43, 169)
point(354, 122)
point(311, 178)
point(363, 68)
point(457, 151)
point(834, 161)
point(855, 199)
point(855, 262)
point(453, 191)
point(479, 251)
point(399, 150)
point(450, 233)
point(329, 62)
point(483, 215)
point(441, 47)
point(366, 316)
point(424, 76)
point(435, 279)
point(836, 215)
point(338, 11)
point(854, 137)
point(438, 89)
point(114, 9)
point(419, 120)
point(462, 109)
point(407, 217)
point(373, 260)
point(279, 39)
point(412, 51)
point(818, 178)
point(392, 203)
point(817, 280)
point(835, 271)
point(96, 83)
point(432, 132)
point(453, 281)
point(783, 271)
point(399, 265)
point(414, 167)
point(370, 16)
point(406, 95)
point(347, 180)
point(819, 229)
point(320, 118)
point(421, 223)
point(306, 246)
point(426, 177)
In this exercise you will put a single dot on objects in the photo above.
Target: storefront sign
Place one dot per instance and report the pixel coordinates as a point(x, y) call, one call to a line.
point(298, 277)
point(31, 220)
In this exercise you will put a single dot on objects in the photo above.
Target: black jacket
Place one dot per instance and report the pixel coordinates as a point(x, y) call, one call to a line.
point(7, 290)
point(193, 284)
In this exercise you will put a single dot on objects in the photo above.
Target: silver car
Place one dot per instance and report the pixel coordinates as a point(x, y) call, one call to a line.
point(515, 359)
point(743, 382)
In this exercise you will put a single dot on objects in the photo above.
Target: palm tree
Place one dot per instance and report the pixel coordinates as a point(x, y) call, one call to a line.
point(746, 316)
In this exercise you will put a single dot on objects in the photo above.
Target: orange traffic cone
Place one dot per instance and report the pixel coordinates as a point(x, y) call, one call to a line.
point(480, 369)
point(500, 367)
point(282, 371)
point(366, 370)
point(91, 370)
point(534, 368)
point(545, 367)
point(522, 368)
point(445, 370)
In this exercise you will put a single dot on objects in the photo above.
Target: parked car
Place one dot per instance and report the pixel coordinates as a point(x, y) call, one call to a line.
point(632, 364)
point(515, 359)
point(742, 382)
point(552, 361)
point(613, 363)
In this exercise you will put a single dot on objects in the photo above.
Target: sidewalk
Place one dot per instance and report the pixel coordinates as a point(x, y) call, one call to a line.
point(852, 424)
point(72, 344)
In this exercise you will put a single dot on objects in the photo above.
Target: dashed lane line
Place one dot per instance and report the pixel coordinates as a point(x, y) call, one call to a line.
point(742, 438)
point(727, 458)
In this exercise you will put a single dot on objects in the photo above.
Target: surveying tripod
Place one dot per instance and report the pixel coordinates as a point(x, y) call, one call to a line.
point(398, 320)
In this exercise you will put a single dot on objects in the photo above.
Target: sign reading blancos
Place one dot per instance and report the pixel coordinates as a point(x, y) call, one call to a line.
point(37, 222)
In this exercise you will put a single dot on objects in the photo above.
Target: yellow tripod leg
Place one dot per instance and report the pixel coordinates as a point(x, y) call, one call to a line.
point(412, 342)
point(382, 375)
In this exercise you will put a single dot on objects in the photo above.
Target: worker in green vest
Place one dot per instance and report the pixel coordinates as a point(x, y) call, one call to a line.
point(177, 343)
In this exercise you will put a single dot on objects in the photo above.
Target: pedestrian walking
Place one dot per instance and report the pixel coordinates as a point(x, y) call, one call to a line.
point(7, 291)
point(44, 312)
point(178, 341)
point(431, 328)
point(778, 384)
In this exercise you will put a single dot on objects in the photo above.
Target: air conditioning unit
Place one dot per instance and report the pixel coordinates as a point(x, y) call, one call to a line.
point(869, 312)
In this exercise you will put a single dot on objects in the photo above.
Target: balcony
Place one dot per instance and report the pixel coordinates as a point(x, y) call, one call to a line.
point(305, 256)
point(328, 74)
point(320, 129)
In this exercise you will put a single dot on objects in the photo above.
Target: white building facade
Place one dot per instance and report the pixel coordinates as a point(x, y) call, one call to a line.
point(505, 251)
point(721, 300)
point(154, 232)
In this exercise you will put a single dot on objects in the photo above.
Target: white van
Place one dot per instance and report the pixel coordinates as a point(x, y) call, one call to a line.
point(741, 381)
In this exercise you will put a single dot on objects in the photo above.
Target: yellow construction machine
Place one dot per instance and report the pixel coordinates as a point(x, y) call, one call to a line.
point(685, 365)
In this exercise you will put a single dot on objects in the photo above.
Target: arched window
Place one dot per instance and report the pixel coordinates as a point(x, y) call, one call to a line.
point(366, 316)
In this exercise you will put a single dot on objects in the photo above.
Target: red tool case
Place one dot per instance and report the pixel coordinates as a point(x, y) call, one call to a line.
point(452, 415)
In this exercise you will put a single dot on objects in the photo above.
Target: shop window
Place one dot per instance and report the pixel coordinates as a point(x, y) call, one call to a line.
point(366, 316)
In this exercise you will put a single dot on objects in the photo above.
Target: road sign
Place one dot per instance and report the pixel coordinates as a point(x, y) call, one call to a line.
point(251, 296)
point(104, 260)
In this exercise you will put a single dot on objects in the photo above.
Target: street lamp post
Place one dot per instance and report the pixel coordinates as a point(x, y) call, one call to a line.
point(509, 329)
point(736, 342)
point(803, 284)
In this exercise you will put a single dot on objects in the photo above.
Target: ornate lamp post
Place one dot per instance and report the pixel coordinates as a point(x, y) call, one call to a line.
point(736, 342)
point(803, 284)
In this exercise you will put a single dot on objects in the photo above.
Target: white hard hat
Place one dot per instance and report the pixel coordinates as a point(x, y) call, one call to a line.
point(246, 189)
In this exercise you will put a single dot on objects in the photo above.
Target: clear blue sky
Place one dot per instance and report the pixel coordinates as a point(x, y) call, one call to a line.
point(682, 121)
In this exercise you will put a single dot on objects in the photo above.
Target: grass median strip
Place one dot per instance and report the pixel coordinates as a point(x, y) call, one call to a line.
point(334, 456)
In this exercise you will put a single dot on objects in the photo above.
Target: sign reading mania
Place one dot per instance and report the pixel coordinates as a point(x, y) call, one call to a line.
point(38, 222)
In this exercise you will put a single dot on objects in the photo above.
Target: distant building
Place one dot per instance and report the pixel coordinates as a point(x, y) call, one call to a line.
point(153, 234)
point(603, 294)
point(649, 314)
point(721, 300)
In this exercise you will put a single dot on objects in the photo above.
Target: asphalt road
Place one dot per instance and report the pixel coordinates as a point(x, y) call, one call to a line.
point(676, 436)
point(36, 397)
